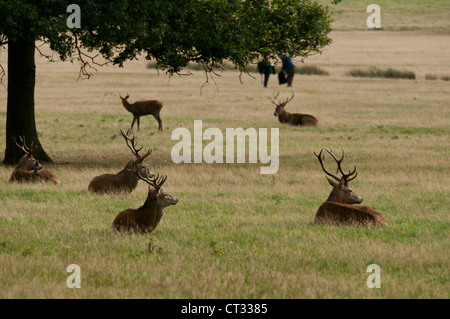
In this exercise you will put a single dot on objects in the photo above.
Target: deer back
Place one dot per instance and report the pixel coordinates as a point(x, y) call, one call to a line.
point(22, 176)
point(25, 172)
point(297, 119)
point(345, 214)
point(147, 107)
point(124, 181)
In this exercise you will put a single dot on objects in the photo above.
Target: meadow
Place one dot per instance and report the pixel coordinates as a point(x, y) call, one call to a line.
point(236, 233)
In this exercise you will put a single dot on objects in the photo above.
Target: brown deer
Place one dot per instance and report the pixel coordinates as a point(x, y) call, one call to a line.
point(338, 208)
point(295, 119)
point(29, 169)
point(147, 217)
point(140, 108)
point(126, 180)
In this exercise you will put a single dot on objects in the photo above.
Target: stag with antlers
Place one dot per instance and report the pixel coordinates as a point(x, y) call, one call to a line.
point(295, 119)
point(147, 217)
point(338, 209)
point(126, 180)
point(140, 108)
point(29, 169)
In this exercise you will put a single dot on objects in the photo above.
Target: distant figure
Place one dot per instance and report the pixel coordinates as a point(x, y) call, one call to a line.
point(288, 66)
point(265, 67)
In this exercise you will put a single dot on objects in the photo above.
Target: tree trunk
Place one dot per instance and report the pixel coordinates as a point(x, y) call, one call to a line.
point(20, 120)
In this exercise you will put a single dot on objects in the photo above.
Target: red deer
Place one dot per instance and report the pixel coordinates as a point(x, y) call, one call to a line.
point(126, 180)
point(29, 169)
point(147, 217)
point(338, 208)
point(295, 119)
point(140, 108)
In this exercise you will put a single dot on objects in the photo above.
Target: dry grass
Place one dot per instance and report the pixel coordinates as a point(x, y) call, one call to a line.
point(236, 233)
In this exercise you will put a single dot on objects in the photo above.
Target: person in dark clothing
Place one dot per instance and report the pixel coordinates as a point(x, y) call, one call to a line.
point(265, 67)
point(288, 66)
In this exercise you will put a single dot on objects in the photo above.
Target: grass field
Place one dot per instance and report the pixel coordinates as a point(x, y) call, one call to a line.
point(236, 233)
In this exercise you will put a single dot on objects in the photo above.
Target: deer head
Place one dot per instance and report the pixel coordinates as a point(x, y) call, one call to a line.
point(27, 162)
point(279, 109)
point(341, 192)
point(135, 165)
point(155, 183)
point(124, 98)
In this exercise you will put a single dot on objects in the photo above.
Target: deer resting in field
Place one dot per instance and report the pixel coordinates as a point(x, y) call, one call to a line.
point(140, 108)
point(126, 180)
point(295, 119)
point(338, 208)
point(147, 217)
point(29, 169)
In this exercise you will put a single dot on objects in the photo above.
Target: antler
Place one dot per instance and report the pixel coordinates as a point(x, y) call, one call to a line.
point(131, 145)
point(27, 150)
point(289, 99)
point(155, 181)
point(274, 99)
point(345, 177)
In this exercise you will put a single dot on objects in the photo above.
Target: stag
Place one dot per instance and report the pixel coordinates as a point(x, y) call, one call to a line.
point(338, 208)
point(140, 108)
point(295, 119)
point(147, 217)
point(29, 169)
point(126, 180)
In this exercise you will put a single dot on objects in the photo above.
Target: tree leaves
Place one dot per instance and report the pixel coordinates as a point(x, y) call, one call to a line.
point(174, 32)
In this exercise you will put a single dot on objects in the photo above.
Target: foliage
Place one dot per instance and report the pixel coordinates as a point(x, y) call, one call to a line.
point(374, 72)
point(174, 32)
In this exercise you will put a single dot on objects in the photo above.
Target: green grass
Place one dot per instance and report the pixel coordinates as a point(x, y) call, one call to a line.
point(252, 68)
point(389, 73)
point(435, 77)
point(310, 70)
point(236, 233)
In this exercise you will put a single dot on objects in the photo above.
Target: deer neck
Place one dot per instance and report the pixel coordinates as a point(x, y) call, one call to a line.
point(334, 196)
point(126, 175)
point(283, 116)
point(128, 106)
point(151, 212)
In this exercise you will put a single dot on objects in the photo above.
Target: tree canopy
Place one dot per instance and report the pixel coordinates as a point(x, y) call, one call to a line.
point(174, 32)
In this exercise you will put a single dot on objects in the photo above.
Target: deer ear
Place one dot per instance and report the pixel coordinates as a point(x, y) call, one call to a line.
point(152, 191)
point(331, 181)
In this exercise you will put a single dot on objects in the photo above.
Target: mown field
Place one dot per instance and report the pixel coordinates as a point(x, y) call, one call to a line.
point(236, 233)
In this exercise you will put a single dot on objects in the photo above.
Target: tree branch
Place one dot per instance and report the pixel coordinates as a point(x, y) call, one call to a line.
point(209, 73)
point(51, 57)
point(3, 40)
point(2, 75)
point(86, 66)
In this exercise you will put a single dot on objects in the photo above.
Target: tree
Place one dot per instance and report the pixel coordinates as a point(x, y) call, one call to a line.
point(174, 32)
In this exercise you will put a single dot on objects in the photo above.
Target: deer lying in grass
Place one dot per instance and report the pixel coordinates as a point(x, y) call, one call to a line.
point(147, 217)
point(29, 169)
point(140, 108)
point(126, 180)
point(295, 119)
point(338, 209)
